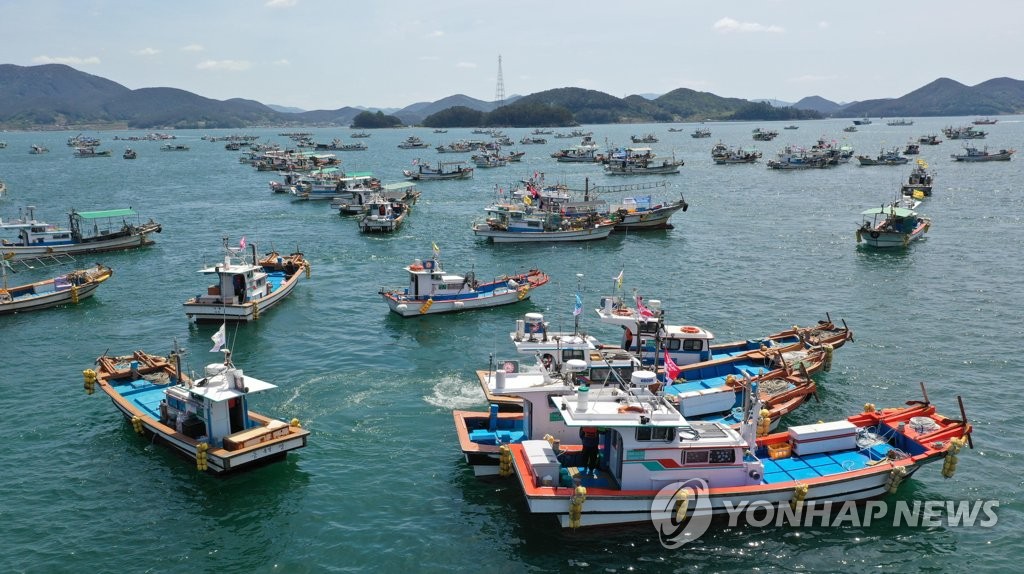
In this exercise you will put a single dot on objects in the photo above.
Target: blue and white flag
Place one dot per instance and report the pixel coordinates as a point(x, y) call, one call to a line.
point(579, 306)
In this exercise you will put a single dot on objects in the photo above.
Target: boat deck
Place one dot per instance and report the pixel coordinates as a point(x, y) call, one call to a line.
point(276, 279)
point(143, 393)
point(823, 464)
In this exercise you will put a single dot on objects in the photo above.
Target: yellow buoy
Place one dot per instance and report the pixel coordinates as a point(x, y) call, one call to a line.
point(255, 311)
point(949, 464)
point(523, 291)
point(827, 364)
point(504, 460)
point(201, 455)
point(307, 266)
point(869, 407)
point(295, 423)
point(74, 294)
point(426, 306)
point(137, 424)
point(89, 383)
point(579, 496)
point(681, 499)
point(799, 494)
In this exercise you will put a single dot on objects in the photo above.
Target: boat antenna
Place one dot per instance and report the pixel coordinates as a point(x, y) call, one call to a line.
point(577, 311)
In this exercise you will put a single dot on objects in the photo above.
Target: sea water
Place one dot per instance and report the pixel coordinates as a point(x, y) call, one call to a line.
point(382, 485)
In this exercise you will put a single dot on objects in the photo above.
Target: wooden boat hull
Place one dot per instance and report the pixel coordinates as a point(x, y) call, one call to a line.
point(112, 380)
point(649, 219)
point(881, 239)
point(46, 294)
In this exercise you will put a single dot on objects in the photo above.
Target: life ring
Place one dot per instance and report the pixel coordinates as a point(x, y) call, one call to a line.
point(623, 312)
point(690, 329)
point(631, 409)
point(874, 235)
point(415, 267)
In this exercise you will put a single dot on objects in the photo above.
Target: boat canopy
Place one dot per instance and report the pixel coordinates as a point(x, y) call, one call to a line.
point(106, 213)
point(400, 186)
point(894, 211)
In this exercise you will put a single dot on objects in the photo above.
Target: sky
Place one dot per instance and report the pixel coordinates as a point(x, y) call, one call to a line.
point(319, 54)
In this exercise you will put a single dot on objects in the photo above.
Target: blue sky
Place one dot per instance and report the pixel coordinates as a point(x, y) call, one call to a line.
point(316, 54)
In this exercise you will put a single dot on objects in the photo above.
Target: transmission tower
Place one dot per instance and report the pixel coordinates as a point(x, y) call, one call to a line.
point(499, 91)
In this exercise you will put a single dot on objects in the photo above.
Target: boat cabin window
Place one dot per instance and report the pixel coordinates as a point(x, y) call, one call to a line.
point(711, 456)
point(533, 224)
point(684, 344)
point(569, 354)
point(655, 433)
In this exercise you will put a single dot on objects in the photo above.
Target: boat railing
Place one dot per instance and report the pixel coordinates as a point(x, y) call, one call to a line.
point(42, 261)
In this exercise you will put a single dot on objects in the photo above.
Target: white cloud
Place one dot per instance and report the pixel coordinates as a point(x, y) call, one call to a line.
point(435, 34)
point(282, 62)
point(68, 60)
point(193, 48)
point(230, 65)
point(147, 52)
point(465, 65)
point(727, 24)
point(280, 3)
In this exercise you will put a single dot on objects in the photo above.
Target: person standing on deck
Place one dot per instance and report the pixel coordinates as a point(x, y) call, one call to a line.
point(589, 437)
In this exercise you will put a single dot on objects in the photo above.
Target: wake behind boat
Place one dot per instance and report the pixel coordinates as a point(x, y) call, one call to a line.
point(432, 290)
point(89, 232)
point(246, 287)
point(207, 420)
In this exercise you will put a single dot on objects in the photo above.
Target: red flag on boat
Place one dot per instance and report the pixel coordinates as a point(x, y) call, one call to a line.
point(641, 309)
point(672, 370)
point(241, 244)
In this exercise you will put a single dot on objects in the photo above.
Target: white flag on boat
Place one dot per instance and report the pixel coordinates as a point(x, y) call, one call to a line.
point(219, 338)
point(241, 244)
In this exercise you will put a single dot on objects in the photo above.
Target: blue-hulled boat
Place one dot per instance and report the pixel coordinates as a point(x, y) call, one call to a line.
point(88, 232)
point(207, 420)
point(892, 226)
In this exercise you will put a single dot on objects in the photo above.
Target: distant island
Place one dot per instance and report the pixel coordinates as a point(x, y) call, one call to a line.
point(55, 96)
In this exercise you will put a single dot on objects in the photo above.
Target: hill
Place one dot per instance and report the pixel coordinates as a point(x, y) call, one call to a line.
point(56, 95)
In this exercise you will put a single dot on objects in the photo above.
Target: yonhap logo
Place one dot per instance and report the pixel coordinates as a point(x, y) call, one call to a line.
point(681, 512)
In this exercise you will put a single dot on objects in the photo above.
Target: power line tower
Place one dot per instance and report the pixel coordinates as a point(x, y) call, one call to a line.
point(499, 91)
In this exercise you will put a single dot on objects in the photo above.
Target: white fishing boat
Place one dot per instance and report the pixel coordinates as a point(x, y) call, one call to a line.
point(356, 200)
point(516, 222)
point(245, 287)
point(88, 232)
point(651, 462)
point(975, 154)
point(68, 288)
point(444, 170)
point(413, 142)
point(431, 290)
point(383, 215)
point(206, 420)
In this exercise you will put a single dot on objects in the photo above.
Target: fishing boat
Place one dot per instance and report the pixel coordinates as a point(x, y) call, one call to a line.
point(206, 420)
point(975, 154)
point(444, 170)
point(725, 155)
point(38, 149)
point(642, 213)
point(245, 287)
point(963, 133)
point(68, 288)
point(356, 201)
point(129, 153)
point(645, 333)
point(892, 226)
point(900, 122)
point(850, 129)
point(517, 222)
point(413, 142)
point(791, 127)
point(431, 290)
point(648, 138)
point(890, 157)
point(652, 461)
point(331, 183)
point(931, 139)
point(383, 215)
point(359, 135)
point(707, 394)
point(89, 151)
point(676, 130)
point(529, 140)
point(3, 189)
point(984, 121)
point(700, 133)
point(642, 167)
point(920, 180)
point(911, 149)
point(582, 153)
point(174, 147)
point(764, 135)
point(862, 122)
point(89, 232)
